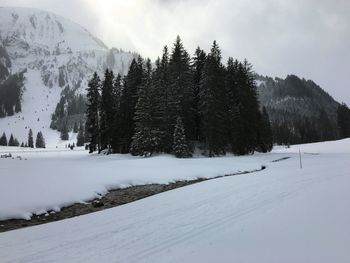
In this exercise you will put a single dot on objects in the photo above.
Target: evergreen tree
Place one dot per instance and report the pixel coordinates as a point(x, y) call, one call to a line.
point(3, 140)
point(30, 139)
point(248, 107)
point(11, 141)
point(264, 133)
point(325, 127)
point(16, 142)
point(40, 141)
point(198, 68)
point(181, 94)
point(145, 140)
point(75, 127)
point(107, 110)
point(180, 146)
point(343, 117)
point(213, 103)
point(129, 98)
point(64, 132)
point(22, 144)
point(93, 118)
point(81, 136)
point(116, 127)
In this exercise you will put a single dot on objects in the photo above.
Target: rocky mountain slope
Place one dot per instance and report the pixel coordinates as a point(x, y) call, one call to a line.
point(55, 53)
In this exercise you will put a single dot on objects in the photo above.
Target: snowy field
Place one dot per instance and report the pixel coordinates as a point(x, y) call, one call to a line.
point(49, 179)
point(281, 214)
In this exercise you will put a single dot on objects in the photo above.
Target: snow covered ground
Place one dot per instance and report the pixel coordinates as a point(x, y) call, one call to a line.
point(48, 179)
point(281, 214)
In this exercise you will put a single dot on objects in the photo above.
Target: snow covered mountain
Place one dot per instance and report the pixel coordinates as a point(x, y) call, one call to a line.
point(55, 53)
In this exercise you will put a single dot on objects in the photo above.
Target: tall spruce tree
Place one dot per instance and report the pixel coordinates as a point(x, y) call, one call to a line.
point(265, 141)
point(213, 103)
point(181, 148)
point(233, 114)
point(198, 63)
point(81, 135)
point(64, 132)
point(30, 139)
point(107, 110)
point(92, 113)
point(3, 140)
point(129, 98)
point(40, 141)
point(11, 141)
point(116, 124)
point(248, 108)
point(160, 91)
point(343, 119)
point(181, 94)
point(145, 140)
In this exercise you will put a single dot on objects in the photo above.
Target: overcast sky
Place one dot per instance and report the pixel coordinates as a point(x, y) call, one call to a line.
point(309, 38)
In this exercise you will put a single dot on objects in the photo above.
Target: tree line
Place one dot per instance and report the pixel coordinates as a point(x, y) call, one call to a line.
point(177, 104)
point(39, 141)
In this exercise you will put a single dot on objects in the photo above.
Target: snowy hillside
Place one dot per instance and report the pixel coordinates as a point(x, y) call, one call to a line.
point(280, 214)
point(56, 53)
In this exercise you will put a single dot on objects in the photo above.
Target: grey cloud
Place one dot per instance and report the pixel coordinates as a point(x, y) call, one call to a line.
point(310, 38)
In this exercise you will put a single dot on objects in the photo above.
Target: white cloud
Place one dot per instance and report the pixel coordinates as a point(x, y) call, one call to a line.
point(309, 38)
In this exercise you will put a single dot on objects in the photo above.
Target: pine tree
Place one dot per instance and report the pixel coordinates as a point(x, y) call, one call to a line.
point(248, 110)
point(75, 127)
point(80, 136)
point(30, 139)
point(107, 110)
point(22, 145)
point(213, 103)
point(343, 118)
point(93, 118)
point(181, 94)
point(116, 128)
point(3, 140)
point(146, 139)
point(129, 98)
point(39, 142)
point(197, 67)
point(11, 141)
point(64, 132)
point(180, 146)
point(16, 142)
point(264, 133)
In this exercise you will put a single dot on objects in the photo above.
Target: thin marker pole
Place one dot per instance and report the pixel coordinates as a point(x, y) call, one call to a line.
point(301, 165)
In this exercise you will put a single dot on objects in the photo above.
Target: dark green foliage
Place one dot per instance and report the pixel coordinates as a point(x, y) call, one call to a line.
point(116, 128)
point(107, 110)
point(180, 90)
point(69, 110)
point(212, 104)
point(11, 91)
point(265, 140)
point(3, 140)
point(81, 135)
point(64, 133)
point(30, 139)
point(343, 114)
point(180, 145)
point(75, 128)
point(146, 139)
point(197, 67)
point(129, 98)
point(177, 102)
point(40, 141)
point(11, 141)
point(92, 112)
